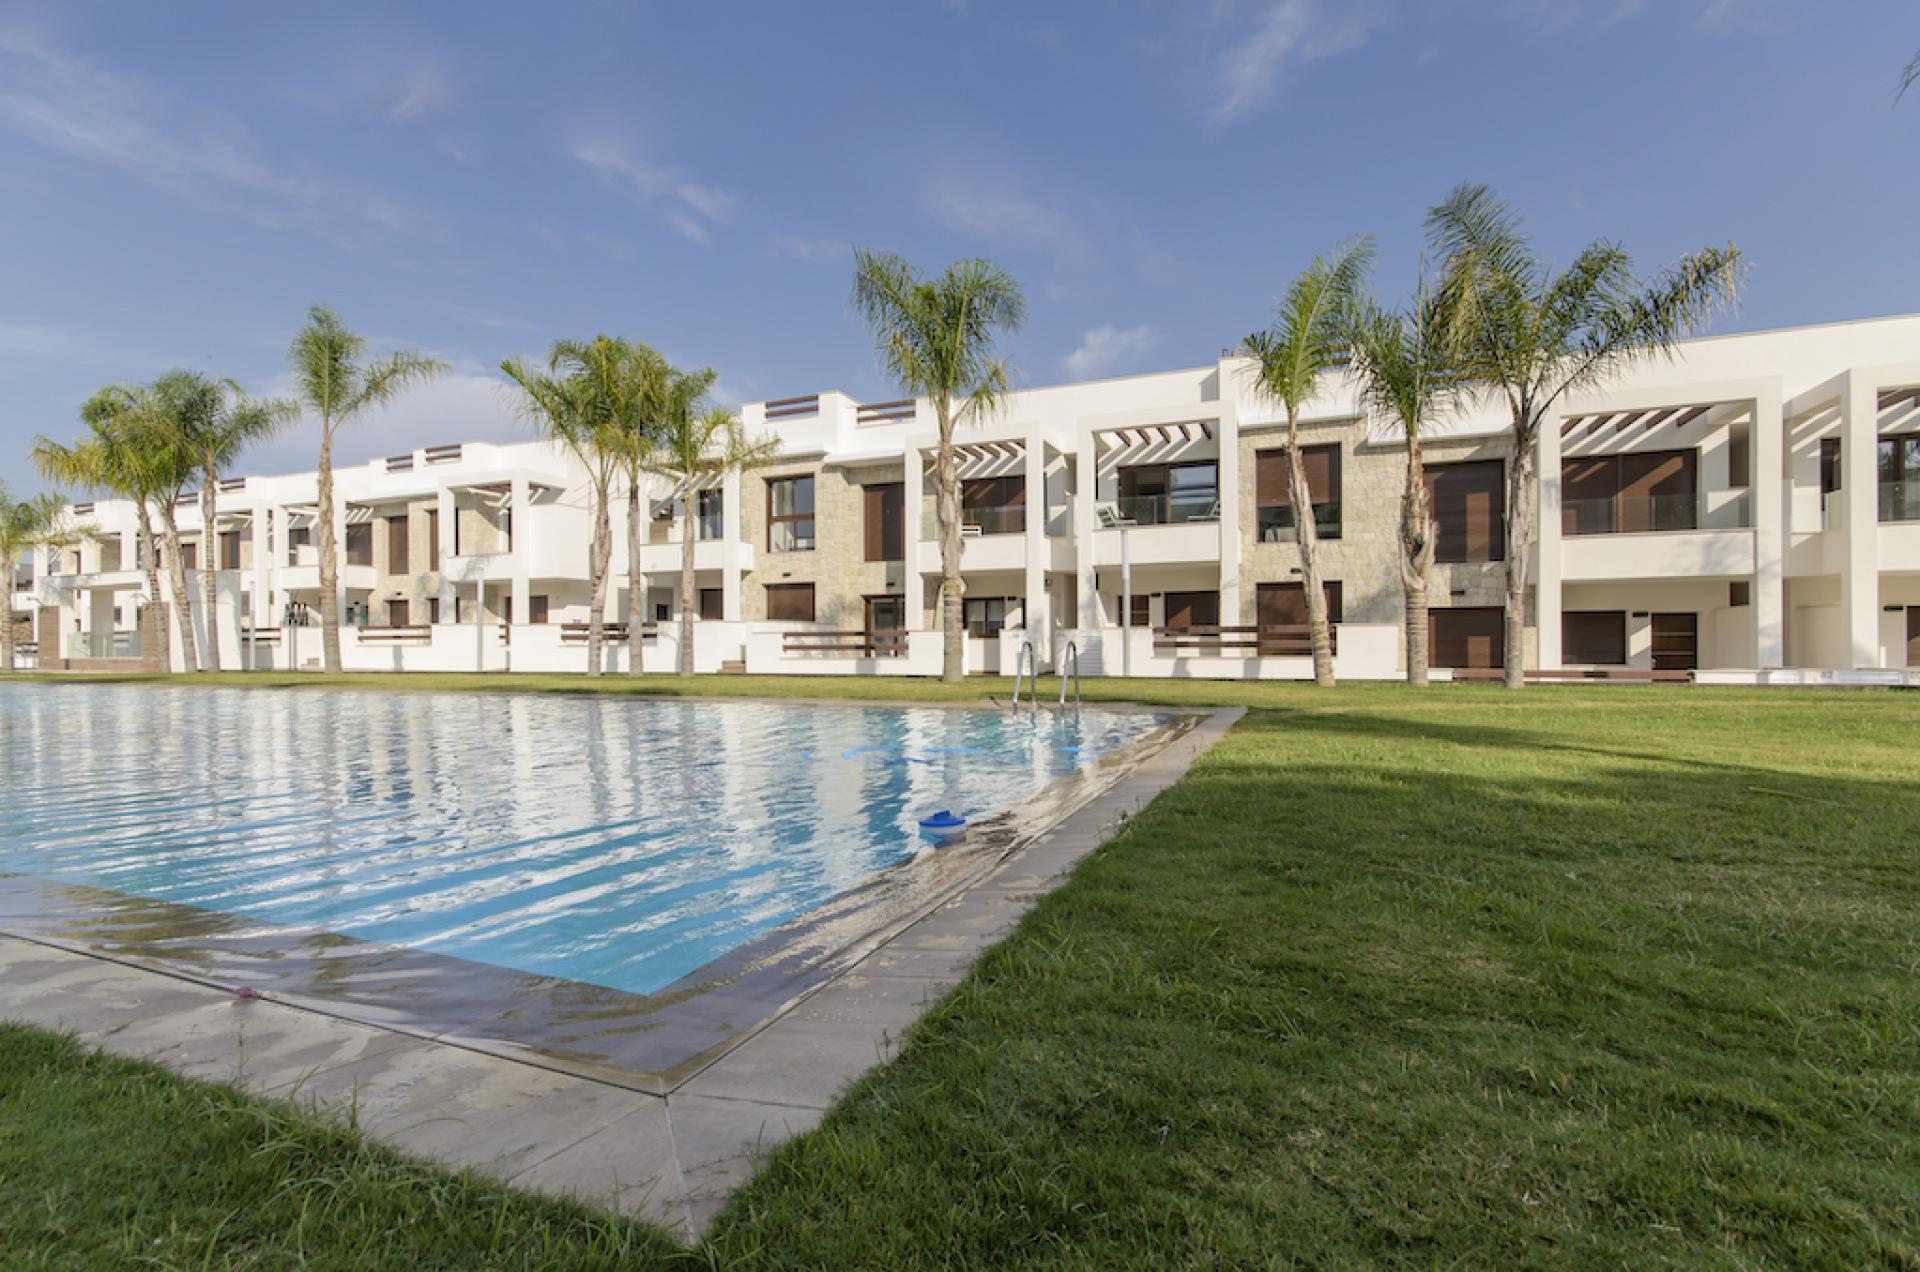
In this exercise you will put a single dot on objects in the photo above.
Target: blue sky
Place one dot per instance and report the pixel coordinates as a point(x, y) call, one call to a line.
point(178, 182)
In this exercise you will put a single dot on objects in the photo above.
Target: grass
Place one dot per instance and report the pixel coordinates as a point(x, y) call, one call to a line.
point(1577, 976)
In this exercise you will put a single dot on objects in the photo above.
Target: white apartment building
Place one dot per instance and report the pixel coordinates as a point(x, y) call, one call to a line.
point(1747, 511)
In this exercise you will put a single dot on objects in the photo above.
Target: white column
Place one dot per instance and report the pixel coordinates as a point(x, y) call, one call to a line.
point(1767, 484)
point(1227, 431)
point(1860, 517)
point(1546, 594)
point(520, 544)
point(266, 562)
point(1036, 610)
point(733, 550)
point(914, 478)
point(1086, 484)
point(445, 506)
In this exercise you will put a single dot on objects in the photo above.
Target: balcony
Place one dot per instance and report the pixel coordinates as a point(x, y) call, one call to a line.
point(102, 645)
point(1277, 523)
point(1900, 500)
point(978, 521)
point(1157, 529)
point(1187, 508)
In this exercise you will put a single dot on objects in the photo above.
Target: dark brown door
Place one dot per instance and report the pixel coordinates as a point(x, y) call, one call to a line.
point(886, 623)
point(1676, 642)
point(1193, 609)
point(399, 613)
point(397, 559)
point(1913, 635)
point(886, 522)
point(1467, 638)
point(1284, 605)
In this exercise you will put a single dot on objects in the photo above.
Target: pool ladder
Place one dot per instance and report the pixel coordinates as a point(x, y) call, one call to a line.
point(1028, 663)
point(1070, 662)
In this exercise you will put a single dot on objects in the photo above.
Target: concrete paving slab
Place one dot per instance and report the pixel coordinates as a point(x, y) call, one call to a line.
point(628, 1165)
point(720, 1143)
point(795, 1063)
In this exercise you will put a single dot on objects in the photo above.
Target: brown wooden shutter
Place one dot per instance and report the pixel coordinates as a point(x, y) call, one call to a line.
point(1913, 635)
point(398, 561)
point(885, 521)
point(1467, 638)
point(1594, 637)
point(713, 604)
point(1285, 604)
point(537, 609)
point(1193, 609)
point(790, 602)
point(1665, 475)
point(433, 539)
point(1323, 473)
point(1469, 510)
point(1270, 480)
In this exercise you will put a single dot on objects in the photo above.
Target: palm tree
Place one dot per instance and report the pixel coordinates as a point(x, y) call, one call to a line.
point(223, 424)
point(336, 385)
point(116, 456)
point(1310, 335)
point(25, 524)
point(698, 443)
point(637, 383)
point(937, 339)
point(1532, 336)
point(571, 403)
point(1407, 374)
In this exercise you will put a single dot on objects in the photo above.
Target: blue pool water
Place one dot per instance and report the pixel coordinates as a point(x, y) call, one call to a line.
point(619, 842)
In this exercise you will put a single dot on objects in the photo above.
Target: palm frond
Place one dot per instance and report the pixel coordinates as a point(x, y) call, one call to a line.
point(1909, 77)
point(1313, 323)
point(938, 338)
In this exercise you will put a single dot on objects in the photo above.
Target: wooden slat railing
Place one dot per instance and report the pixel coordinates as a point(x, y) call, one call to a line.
point(793, 407)
point(1264, 641)
point(575, 633)
point(879, 644)
point(885, 412)
point(1625, 675)
point(394, 633)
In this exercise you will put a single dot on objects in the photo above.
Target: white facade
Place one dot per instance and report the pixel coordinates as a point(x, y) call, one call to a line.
point(1749, 506)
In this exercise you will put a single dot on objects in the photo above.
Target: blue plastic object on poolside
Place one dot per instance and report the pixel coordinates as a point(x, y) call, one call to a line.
point(943, 820)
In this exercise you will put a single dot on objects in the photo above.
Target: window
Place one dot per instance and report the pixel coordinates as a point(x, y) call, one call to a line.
point(790, 514)
point(708, 510)
point(1469, 511)
point(1170, 494)
point(398, 613)
point(190, 556)
point(994, 505)
point(790, 602)
point(433, 609)
point(1739, 459)
point(986, 615)
point(1596, 638)
point(1900, 478)
point(360, 544)
point(433, 539)
point(713, 604)
point(230, 550)
point(1612, 494)
point(1191, 609)
point(398, 560)
point(1280, 609)
point(1140, 610)
point(1739, 593)
point(298, 537)
point(1273, 492)
point(1467, 638)
point(885, 514)
point(537, 609)
point(1829, 465)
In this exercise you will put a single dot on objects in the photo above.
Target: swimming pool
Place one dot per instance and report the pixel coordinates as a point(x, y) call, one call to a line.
point(622, 843)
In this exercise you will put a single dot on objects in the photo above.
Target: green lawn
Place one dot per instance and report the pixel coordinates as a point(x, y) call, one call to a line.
point(1603, 976)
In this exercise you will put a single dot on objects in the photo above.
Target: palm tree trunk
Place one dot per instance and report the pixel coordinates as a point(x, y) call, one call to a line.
point(210, 561)
point(599, 553)
point(946, 493)
point(636, 578)
point(1307, 535)
point(6, 612)
point(329, 564)
point(1519, 530)
point(689, 533)
point(177, 583)
point(155, 635)
point(1416, 561)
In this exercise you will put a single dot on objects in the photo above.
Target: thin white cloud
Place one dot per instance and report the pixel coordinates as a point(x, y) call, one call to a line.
point(461, 406)
point(78, 108)
point(1001, 214)
point(1288, 33)
point(690, 208)
point(1106, 349)
point(427, 90)
point(812, 250)
point(474, 317)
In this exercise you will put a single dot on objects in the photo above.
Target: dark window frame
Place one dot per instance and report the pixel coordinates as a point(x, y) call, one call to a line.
point(796, 520)
point(1274, 514)
point(784, 590)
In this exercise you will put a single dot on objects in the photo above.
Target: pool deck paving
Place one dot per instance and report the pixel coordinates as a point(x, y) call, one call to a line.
point(671, 1158)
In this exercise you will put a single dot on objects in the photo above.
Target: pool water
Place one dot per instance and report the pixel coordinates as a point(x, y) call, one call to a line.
point(620, 842)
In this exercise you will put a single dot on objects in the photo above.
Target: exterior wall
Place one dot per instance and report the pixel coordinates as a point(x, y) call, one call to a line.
point(1829, 582)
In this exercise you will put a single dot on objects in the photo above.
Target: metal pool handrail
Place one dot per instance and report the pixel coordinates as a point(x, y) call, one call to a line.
point(1029, 662)
point(1070, 662)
